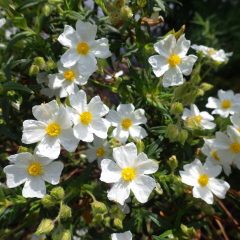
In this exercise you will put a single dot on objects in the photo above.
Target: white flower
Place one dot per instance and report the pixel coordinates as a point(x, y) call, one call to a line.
point(230, 146)
point(235, 119)
point(32, 170)
point(216, 156)
point(202, 178)
point(83, 48)
point(128, 173)
point(226, 104)
point(98, 150)
point(122, 236)
point(68, 79)
point(216, 55)
point(38, 237)
point(194, 118)
point(172, 62)
point(126, 121)
point(88, 118)
point(2, 22)
point(52, 128)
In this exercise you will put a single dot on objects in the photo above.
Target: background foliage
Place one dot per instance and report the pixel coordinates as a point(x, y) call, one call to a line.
point(171, 213)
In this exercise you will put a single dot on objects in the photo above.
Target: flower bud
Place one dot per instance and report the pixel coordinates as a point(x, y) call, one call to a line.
point(140, 146)
point(46, 10)
point(46, 226)
point(50, 65)
point(48, 201)
point(34, 70)
point(141, 3)
point(206, 86)
point(172, 132)
point(58, 193)
point(172, 162)
point(66, 235)
point(176, 108)
point(40, 62)
point(188, 231)
point(65, 212)
point(117, 222)
point(98, 207)
point(126, 13)
point(183, 135)
point(22, 149)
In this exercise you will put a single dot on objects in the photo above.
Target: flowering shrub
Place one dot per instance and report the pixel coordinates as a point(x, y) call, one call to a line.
point(110, 82)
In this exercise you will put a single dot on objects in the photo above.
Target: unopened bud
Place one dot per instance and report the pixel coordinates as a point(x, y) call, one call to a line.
point(98, 207)
point(172, 132)
point(183, 135)
point(126, 13)
point(140, 146)
point(50, 65)
point(40, 62)
point(65, 212)
point(141, 3)
point(117, 222)
point(22, 149)
point(176, 108)
point(172, 162)
point(46, 226)
point(34, 70)
point(206, 86)
point(46, 10)
point(58, 193)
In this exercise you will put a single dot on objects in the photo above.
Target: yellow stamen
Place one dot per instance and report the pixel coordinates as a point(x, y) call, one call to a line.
point(128, 174)
point(83, 48)
point(34, 169)
point(126, 123)
point(211, 51)
point(226, 104)
point(86, 118)
point(174, 60)
point(215, 156)
point(100, 152)
point(53, 129)
point(69, 75)
point(235, 147)
point(203, 180)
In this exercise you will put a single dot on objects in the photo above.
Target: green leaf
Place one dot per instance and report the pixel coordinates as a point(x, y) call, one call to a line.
point(16, 86)
point(20, 22)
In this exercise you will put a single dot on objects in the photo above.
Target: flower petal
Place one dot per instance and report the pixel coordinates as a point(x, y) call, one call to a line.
point(218, 187)
point(145, 165)
point(120, 134)
point(204, 193)
point(83, 133)
point(86, 31)
point(159, 65)
point(68, 141)
point(111, 173)
point(100, 127)
point(122, 236)
point(69, 58)
point(79, 101)
point(52, 172)
point(97, 108)
point(137, 132)
point(68, 37)
point(182, 46)
point(100, 48)
point(173, 77)
point(142, 186)
point(34, 187)
point(187, 63)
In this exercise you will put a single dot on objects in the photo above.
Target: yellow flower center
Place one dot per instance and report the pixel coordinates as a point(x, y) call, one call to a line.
point(226, 104)
point(34, 169)
point(215, 156)
point(235, 147)
point(53, 129)
point(126, 123)
point(194, 121)
point(69, 75)
point(203, 180)
point(100, 152)
point(83, 48)
point(211, 51)
point(174, 60)
point(86, 118)
point(128, 174)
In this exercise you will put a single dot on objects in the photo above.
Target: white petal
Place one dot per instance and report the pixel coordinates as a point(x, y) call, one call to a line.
point(100, 48)
point(206, 116)
point(83, 133)
point(15, 175)
point(67, 37)
point(91, 154)
point(68, 141)
point(182, 46)
point(63, 118)
point(213, 103)
point(188, 178)
point(120, 134)
point(100, 127)
point(111, 173)
point(113, 117)
point(222, 141)
point(97, 108)
point(207, 124)
point(79, 101)
point(45, 111)
point(194, 109)
point(137, 132)
point(159, 65)
point(21, 159)
point(212, 170)
point(34, 187)
point(145, 165)
point(204, 193)
point(187, 63)
point(55, 81)
point(233, 133)
point(125, 156)
point(49, 147)
point(125, 109)
point(119, 192)
point(69, 58)
point(235, 119)
point(225, 94)
point(218, 187)
point(139, 117)
point(142, 186)
point(33, 131)
point(122, 236)
point(86, 31)
point(173, 77)
point(52, 172)
point(165, 46)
